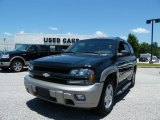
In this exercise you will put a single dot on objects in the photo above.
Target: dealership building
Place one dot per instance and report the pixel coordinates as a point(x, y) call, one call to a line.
point(48, 39)
point(6, 44)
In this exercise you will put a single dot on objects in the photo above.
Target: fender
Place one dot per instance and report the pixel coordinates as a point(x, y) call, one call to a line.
point(15, 57)
point(107, 72)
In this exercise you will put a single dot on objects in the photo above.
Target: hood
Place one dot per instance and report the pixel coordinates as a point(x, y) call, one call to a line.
point(13, 52)
point(71, 60)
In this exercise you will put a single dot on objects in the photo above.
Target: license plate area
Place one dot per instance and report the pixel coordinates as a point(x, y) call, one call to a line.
point(42, 92)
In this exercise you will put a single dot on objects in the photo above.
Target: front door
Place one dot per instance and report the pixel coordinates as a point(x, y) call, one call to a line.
point(123, 62)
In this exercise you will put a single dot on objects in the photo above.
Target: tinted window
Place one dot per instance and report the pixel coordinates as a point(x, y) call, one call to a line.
point(52, 48)
point(33, 48)
point(61, 48)
point(58, 48)
point(126, 47)
point(123, 46)
point(44, 48)
point(131, 49)
point(22, 47)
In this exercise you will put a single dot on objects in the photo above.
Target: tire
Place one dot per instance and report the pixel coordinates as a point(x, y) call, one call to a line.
point(107, 99)
point(17, 66)
point(133, 79)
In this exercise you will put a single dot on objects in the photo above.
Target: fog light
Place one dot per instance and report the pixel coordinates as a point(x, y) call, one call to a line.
point(80, 97)
point(76, 82)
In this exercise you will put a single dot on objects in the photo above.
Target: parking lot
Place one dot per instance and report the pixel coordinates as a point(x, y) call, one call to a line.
point(140, 103)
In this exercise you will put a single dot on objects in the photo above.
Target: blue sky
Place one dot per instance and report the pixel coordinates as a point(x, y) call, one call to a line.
point(103, 17)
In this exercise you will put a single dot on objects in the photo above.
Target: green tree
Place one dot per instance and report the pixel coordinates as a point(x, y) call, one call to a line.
point(132, 39)
point(156, 49)
point(158, 52)
point(145, 48)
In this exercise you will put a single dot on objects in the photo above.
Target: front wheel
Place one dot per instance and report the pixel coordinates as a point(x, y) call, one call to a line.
point(107, 98)
point(17, 66)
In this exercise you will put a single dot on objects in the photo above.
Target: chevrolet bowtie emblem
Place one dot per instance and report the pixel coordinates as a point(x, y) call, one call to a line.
point(46, 74)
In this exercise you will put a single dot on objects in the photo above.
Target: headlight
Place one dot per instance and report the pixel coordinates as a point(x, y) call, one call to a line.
point(87, 74)
point(5, 56)
point(30, 67)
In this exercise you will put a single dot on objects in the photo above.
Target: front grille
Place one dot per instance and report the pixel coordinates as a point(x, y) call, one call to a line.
point(51, 69)
point(56, 75)
point(52, 80)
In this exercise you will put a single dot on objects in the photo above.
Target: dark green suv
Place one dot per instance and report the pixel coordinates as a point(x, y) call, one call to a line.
point(87, 75)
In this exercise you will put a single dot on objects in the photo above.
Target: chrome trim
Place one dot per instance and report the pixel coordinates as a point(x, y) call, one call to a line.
point(46, 75)
point(4, 64)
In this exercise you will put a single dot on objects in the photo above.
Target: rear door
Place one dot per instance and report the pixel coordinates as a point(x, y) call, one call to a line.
point(44, 50)
point(33, 52)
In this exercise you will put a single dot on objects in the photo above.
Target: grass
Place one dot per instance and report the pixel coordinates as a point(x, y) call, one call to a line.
point(146, 65)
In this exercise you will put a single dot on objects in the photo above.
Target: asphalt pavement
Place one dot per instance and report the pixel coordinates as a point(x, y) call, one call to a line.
point(139, 103)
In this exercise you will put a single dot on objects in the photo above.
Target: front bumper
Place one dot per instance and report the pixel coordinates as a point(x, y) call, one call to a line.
point(4, 64)
point(65, 94)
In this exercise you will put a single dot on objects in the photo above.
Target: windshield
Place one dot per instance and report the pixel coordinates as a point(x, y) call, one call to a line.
point(22, 48)
point(94, 46)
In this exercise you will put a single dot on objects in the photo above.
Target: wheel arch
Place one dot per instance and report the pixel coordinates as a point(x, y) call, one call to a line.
point(135, 68)
point(113, 77)
point(110, 73)
point(17, 58)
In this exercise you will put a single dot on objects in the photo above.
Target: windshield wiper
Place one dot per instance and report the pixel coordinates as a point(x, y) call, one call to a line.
point(92, 52)
point(96, 53)
point(70, 52)
point(87, 52)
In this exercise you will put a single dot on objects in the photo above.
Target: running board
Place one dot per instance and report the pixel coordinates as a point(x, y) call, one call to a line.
point(124, 88)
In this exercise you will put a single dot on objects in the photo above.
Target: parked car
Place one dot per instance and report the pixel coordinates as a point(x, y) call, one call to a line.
point(155, 59)
point(87, 75)
point(144, 59)
point(23, 53)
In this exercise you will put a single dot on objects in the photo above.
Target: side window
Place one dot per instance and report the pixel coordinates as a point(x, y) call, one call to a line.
point(121, 47)
point(126, 47)
point(17, 45)
point(44, 48)
point(131, 49)
point(58, 48)
point(33, 48)
point(52, 48)
point(64, 48)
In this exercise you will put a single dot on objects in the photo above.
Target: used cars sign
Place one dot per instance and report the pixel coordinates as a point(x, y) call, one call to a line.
point(62, 41)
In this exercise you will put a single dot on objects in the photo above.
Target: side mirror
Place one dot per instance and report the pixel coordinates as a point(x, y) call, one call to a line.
point(123, 53)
